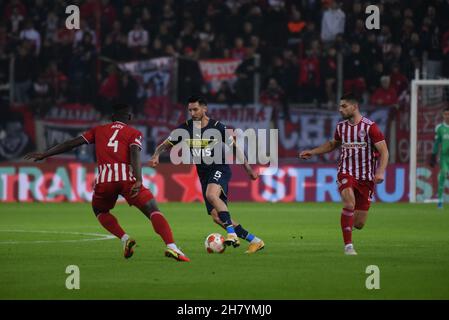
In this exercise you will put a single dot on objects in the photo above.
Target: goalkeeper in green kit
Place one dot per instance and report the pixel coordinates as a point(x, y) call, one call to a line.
point(441, 138)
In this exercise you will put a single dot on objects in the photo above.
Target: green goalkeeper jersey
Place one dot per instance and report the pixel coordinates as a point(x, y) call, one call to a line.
point(442, 138)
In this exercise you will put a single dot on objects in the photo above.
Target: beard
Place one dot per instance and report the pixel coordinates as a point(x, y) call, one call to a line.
point(346, 117)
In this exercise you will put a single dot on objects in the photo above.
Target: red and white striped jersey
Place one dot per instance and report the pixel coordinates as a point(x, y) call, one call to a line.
point(112, 142)
point(357, 156)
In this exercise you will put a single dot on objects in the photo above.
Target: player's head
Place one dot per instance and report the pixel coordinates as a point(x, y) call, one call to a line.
point(349, 106)
point(197, 106)
point(121, 112)
point(446, 115)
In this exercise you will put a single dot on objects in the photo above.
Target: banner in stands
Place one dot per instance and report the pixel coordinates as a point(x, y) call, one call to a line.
point(242, 116)
point(154, 76)
point(215, 71)
point(74, 181)
point(310, 128)
point(50, 133)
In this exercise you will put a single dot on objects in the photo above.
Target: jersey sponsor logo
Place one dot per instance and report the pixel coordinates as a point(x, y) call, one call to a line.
point(206, 152)
point(354, 145)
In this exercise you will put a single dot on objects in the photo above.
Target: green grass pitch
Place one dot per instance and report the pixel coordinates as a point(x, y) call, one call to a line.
point(303, 258)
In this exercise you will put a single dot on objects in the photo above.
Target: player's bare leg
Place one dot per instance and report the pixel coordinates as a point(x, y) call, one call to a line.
point(360, 217)
point(347, 219)
point(110, 223)
point(161, 227)
point(213, 193)
point(255, 244)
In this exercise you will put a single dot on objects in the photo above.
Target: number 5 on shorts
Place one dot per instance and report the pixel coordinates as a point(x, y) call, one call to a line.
point(217, 175)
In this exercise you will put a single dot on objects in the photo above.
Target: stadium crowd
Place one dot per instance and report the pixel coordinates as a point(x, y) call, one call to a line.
point(298, 43)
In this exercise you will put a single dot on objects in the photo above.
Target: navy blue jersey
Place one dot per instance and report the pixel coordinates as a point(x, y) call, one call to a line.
point(203, 143)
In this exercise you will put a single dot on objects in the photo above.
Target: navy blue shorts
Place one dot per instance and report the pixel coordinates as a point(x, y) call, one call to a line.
point(220, 176)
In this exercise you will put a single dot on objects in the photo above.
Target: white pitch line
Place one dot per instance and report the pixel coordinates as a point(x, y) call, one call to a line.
point(98, 235)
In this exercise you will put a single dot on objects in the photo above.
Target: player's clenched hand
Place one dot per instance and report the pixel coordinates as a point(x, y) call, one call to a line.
point(154, 161)
point(135, 188)
point(253, 175)
point(306, 154)
point(379, 177)
point(36, 156)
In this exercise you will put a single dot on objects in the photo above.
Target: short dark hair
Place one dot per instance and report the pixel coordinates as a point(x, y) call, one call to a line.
point(196, 98)
point(120, 108)
point(350, 97)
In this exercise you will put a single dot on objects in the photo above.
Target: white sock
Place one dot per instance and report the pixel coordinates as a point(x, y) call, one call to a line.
point(173, 246)
point(124, 238)
point(349, 246)
point(255, 240)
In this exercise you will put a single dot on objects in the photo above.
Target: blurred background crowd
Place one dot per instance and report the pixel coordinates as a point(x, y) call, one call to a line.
point(298, 42)
point(304, 52)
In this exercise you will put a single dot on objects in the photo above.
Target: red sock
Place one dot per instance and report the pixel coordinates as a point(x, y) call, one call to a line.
point(347, 221)
point(110, 223)
point(161, 227)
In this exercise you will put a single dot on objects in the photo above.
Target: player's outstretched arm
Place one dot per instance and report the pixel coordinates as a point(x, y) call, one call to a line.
point(164, 146)
point(324, 148)
point(57, 149)
point(381, 146)
point(134, 158)
point(242, 159)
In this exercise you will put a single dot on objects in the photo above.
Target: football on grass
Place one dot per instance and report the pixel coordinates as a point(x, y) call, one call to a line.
point(215, 243)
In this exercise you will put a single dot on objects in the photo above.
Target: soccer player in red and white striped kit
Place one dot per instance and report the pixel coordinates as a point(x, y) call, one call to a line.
point(117, 147)
point(361, 144)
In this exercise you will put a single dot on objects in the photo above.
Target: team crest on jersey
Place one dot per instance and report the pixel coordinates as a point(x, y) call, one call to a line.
point(344, 181)
point(362, 134)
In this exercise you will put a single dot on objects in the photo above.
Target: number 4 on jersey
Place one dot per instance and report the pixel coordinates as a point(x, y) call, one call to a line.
point(112, 142)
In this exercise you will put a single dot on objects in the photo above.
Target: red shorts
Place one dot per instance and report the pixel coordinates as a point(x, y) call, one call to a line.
point(363, 190)
point(106, 194)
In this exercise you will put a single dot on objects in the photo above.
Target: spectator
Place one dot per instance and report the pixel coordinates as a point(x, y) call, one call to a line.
point(24, 68)
point(309, 77)
point(127, 89)
point(355, 71)
point(328, 71)
point(224, 94)
point(51, 26)
point(385, 95)
point(109, 89)
point(273, 95)
point(374, 75)
point(371, 50)
point(244, 85)
point(206, 34)
point(445, 49)
point(15, 20)
point(15, 142)
point(41, 94)
point(332, 23)
point(32, 35)
point(239, 50)
point(296, 26)
point(84, 29)
point(137, 37)
point(398, 80)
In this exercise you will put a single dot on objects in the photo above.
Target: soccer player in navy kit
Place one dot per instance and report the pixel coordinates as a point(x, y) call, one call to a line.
point(214, 177)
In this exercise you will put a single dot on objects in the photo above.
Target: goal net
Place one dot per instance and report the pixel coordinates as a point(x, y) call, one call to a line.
point(428, 100)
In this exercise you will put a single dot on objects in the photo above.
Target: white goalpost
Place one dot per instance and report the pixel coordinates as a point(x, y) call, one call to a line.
point(423, 92)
